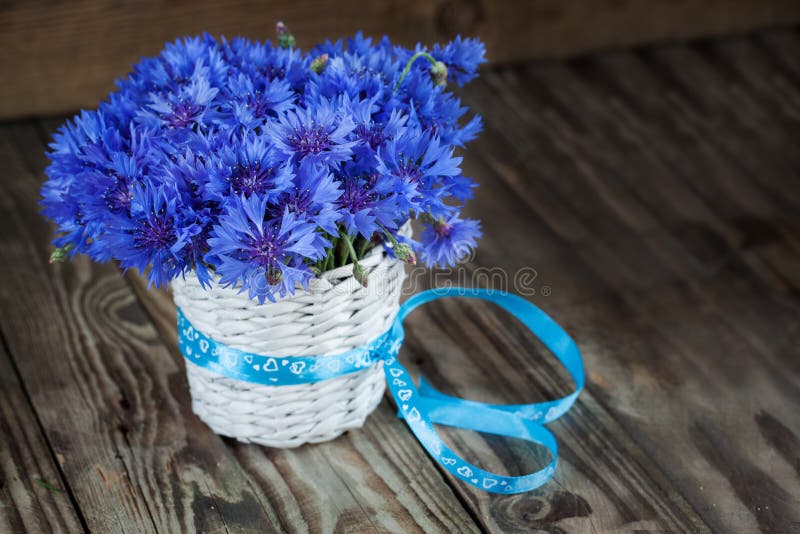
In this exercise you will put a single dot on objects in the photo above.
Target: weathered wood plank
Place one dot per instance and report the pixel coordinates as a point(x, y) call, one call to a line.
point(749, 122)
point(784, 44)
point(32, 495)
point(676, 340)
point(703, 180)
point(648, 194)
point(753, 357)
point(67, 55)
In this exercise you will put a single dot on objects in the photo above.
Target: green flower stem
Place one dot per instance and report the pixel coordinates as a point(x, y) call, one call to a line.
point(392, 239)
point(349, 244)
point(359, 273)
point(364, 247)
point(342, 252)
point(411, 62)
point(330, 258)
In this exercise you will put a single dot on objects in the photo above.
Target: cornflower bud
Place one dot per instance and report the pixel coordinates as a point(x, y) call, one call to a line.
point(405, 253)
point(285, 37)
point(360, 274)
point(439, 74)
point(60, 254)
point(319, 63)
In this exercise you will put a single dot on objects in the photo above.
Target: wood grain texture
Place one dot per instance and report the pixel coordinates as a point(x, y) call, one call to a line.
point(667, 179)
point(59, 56)
point(32, 496)
point(645, 199)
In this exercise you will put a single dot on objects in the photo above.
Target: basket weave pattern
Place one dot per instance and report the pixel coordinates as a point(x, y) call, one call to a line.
point(336, 314)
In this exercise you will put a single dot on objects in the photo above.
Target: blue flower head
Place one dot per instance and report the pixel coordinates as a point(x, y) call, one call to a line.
point(462, 58)
point(252, 101)
point(263, 60)
point(183, 58)
point(178, 113)
point(318, 134)
point(249, 165)
point(311, 196)
point(265, 258)
point(447, 242)
point(416, 168)
point(370, 131)
point(146, 238)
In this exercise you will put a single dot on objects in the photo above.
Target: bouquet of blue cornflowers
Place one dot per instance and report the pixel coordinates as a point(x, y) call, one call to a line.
point(258, 166)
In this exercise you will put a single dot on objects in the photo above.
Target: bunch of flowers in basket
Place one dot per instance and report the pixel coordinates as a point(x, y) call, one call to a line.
point(259, 166)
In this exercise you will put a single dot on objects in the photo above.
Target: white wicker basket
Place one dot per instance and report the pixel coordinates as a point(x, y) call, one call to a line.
point(336, 314)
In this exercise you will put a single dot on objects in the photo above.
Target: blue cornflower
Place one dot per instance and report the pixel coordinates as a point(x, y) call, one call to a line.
point(118, 167)
point(447, 242)
point(437, 112)
point(177, 65)
point(249, 102)
point(145, 240)
point(249, 165)
point(360, 70)
point(312, 196)
point(371, 132)
point(182, 110)
point(265, 257)
point(413, 167)
point(319, 134)
point(91, 166)
point(462, 58)
point(363, 206)
point(346, 75)
point(266, 61)
point(189, 172)
point(183, 58)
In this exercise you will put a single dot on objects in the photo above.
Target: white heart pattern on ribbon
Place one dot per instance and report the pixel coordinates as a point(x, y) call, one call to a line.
point(413, 416)
point(464, 471)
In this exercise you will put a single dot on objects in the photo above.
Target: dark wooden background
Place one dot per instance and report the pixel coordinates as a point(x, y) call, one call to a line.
point(61, 55)
point(655, 194)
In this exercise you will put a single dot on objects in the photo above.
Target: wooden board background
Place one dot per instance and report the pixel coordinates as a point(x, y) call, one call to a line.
point(653, 193)
point(61, 55)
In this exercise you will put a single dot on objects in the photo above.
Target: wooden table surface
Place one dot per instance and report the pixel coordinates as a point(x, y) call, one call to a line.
point(655, 193)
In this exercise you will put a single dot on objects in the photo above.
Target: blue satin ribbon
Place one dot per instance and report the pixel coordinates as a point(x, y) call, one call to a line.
point(420, 406)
